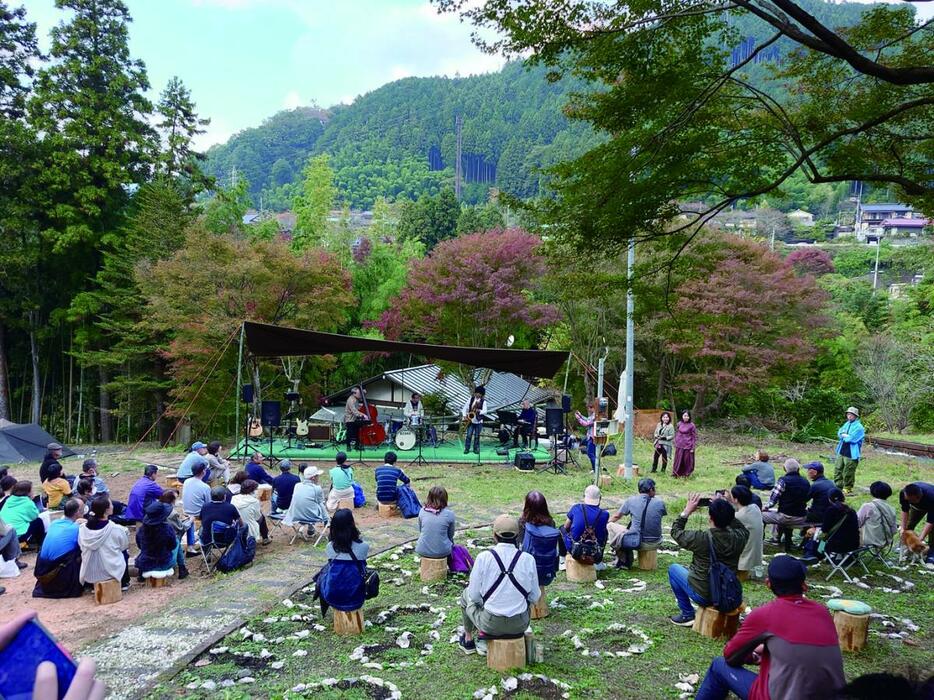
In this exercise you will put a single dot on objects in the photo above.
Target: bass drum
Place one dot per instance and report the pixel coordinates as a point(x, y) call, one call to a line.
point(405, 439)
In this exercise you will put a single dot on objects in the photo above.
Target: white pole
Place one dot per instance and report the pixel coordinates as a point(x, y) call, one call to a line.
point(596, 416)
point(630, 307)
point(875, 273)
point(240, 384)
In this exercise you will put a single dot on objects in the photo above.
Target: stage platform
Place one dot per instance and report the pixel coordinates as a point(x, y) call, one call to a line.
point(445, 453)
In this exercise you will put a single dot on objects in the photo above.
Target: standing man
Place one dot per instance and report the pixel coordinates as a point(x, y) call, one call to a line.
point(526, 427)
point(473, 412)
point(413, 410)
point(851, 436)
point(353, 416)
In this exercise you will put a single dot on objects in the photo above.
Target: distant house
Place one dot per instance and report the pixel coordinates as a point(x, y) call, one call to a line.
point(872, 215)
point(904, 227)
point(286, 221)
point(800, 217)
point(251, 217)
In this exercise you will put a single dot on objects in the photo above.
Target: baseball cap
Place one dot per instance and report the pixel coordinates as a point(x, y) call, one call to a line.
point(786, 569)
point(505, 526)
point(199, 446)
point(816, 466)
point(285, 464)
point(592, 495)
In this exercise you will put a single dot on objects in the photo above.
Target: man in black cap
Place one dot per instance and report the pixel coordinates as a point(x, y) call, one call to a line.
point(283, 486)
point(819, 494)
point(51, 460)
point(792, 639)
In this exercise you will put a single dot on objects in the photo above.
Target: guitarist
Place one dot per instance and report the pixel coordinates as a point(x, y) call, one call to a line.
point(354, 418)
point(472, 413)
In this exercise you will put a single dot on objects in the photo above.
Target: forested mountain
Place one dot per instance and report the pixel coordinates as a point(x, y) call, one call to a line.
point(399, 141)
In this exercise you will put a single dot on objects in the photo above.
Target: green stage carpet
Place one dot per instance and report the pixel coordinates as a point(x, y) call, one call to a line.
point(448, 453)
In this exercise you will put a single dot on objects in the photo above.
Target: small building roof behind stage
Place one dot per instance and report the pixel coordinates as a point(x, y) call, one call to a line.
point(504, 390)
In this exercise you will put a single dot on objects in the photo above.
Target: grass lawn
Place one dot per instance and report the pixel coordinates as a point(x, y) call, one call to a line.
point(923, 438)
point(296, 646)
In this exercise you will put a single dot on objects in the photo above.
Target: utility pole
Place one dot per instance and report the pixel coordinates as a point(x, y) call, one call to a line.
point(772, 240)
point(875, 272)
point(630, 352)
point(458, 128)
point(598, 448)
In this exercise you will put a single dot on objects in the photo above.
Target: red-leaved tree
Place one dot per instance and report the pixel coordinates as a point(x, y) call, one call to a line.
point(810, 261)
point(742, 320)
point(474, 290)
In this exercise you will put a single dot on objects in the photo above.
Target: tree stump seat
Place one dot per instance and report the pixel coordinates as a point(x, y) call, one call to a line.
point(577, 572)
point(431, 569)
point(648, 559)
point(107, 592)
point(540, 609)
point(712, 623)
point(503, 654)
point(389, 510)
point(348, 622)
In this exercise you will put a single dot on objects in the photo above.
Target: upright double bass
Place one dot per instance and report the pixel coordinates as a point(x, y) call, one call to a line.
point(372, 433)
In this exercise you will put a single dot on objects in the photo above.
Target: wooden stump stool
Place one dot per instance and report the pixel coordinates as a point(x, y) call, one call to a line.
point(348, 622)
point(606, 481)
point(742, 575)
point(712, 623)
point(621, 471)
point(504, 654)
point(648, 559)
point(635, 472)
point(389, 510)
point(851, 618)
point(540, 609)
point(580, 573)
point(107, 592)
point(158, 579)
point(345, 503)
point(433, 569)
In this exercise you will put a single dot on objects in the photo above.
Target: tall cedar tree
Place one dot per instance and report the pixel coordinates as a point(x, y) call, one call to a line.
point(179, 124)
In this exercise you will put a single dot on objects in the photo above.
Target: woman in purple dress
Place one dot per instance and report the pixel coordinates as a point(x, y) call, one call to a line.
point(685, 442)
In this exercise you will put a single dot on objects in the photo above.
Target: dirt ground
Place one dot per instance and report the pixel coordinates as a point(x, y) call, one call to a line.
point(77, 621)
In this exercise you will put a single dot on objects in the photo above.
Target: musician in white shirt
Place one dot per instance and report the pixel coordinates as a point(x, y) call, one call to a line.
point(414, 410)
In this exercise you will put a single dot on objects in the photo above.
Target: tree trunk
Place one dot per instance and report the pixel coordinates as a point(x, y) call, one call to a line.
point(106, 418)
point(71, 390)
point(4, 379)
point(36, 384)
point(662, 376)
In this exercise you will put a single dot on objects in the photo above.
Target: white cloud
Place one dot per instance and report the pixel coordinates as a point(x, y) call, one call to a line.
point(292, 100)
point(399, 72)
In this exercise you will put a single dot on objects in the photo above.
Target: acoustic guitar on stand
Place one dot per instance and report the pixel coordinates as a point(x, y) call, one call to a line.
point(255, 428)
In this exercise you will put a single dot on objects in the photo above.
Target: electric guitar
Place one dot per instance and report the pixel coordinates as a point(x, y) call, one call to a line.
point(301, 427)
point(255, 428)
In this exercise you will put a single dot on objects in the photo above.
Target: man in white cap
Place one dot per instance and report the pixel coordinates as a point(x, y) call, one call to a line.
point(582, 516)
point(851, 436)
point(196, 456)
point(307, 504)
point(503, 583)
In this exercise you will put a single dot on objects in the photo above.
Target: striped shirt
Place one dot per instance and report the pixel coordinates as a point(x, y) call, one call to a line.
point(386, 478)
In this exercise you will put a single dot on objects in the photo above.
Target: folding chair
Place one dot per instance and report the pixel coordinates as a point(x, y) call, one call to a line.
point(301, 529)
point(840, 562)
point(222, 537)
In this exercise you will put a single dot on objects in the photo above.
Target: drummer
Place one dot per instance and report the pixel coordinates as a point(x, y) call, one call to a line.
point(387, 478)
point(414, 410)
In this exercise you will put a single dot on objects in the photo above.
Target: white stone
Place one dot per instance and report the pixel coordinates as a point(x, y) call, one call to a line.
point(288, 603)
point(510, 684)
point(218, 650)
point(265, 654)
point(247, 679)
point(209, 685)
point(300, 652)
point(301, 634)
point(277, 665)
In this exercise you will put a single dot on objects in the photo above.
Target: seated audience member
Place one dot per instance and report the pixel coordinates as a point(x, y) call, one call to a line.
point(340, 584)
point(180, 522)
point(503, 583)
point(877, 520)
point(791, 496)
point(793, 640)
point(584, 515)
point(436, 526)
point(247, 504)
point(50, 460)
point(89, 471)
point(751, 518)
point(341, 482)
point(144, 492)
point(218, 466)
point(387, 478)
point(159, 548)
point(539, 537)
point(728, 537)
point(233, 486)
point(872, 686)
point(195, 494)
point(217, 511)
point(283, 486)
point(761, 474)
point(55, 487)
point(635, 506)
point(307, 504)
point(84, 489)
point(917, 503)
point(103, 545)
point(58, 567)
point(840, 530)
point(7, 482)
point(743, 480)
point(194, 457)
point(9, 545)
point(819, 493)
point(22, 514)
point(255, 471)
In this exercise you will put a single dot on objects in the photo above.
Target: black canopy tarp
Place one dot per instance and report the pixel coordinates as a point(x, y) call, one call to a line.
point(24, 442)
point(265, 340)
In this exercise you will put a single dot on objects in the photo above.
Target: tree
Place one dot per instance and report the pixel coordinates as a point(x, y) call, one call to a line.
point(671, 88)
point(810, 261)
point(224, 212)
point(313, 203)
point(480, 218)
point(431, 219)
point(898, 379)
point(741, 320)
point(179, 125)
point(19, 51)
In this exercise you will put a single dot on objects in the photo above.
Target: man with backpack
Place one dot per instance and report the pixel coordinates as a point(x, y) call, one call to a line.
point(503, 583)
point(716, 552)
point(584, 533)
point(645, 525)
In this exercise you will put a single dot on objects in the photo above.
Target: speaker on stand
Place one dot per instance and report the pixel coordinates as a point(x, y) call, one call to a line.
point(271, 416)
point(554, 427)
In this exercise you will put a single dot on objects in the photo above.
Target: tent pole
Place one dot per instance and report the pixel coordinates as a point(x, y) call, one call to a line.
point(239, 383)
point(567, 371)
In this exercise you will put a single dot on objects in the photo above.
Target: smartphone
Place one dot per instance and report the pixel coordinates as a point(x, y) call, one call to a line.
point(22, 656)
point(703, 502)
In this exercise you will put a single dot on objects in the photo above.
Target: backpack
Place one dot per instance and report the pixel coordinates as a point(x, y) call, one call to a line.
point(240, 553)
point(587, 549)
point(459, 560)
point(541, 541)
point(359, 499)
point(726, 592)
point(408, 502)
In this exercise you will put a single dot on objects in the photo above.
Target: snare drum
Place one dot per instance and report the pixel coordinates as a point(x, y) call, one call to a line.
point(405, 439)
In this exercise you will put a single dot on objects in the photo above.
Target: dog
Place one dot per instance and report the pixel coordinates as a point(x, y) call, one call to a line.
point(913, 549)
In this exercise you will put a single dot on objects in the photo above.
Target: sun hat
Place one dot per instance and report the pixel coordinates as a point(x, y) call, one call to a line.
point(853, 410)
point(312, 472)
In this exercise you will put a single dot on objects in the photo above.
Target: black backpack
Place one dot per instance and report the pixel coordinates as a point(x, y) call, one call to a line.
point(726, 592)
point(587, 549)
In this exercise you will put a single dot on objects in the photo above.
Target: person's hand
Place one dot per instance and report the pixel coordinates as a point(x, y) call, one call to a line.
point(693, 500)
point(83, 686)
point(12, 628)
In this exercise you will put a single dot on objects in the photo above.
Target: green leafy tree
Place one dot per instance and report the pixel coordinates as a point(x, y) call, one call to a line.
point(224, 212)
point(313, 203)
point(431, 219)
point(19, 51)
point(179, 124)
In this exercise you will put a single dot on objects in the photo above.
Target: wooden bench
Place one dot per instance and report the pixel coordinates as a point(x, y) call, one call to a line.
point(540, 609)
point(348, 623)
point(389, 510)
point(580, 573)
point(504, 654)
point(433, 569)
point(107, 592)
point(648, 559)
point(712, 623)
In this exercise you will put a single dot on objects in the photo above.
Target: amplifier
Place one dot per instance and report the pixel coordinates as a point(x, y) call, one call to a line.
point(524, 461)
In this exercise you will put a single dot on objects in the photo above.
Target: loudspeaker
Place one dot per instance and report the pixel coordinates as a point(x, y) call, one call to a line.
point(246, 393)
point(609, 451)
point(554, 421)
point(566, 403)
point(524, 461)
point(271, 413)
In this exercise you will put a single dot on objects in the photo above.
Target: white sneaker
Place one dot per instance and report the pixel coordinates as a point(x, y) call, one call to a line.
point(481, 647)
point(561, 564)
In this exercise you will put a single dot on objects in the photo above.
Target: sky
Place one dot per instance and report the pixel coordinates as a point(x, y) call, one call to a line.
point(244, 60)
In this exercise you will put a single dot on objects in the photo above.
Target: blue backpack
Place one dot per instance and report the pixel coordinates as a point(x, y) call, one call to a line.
point(408, 502)
point(240, 553)
point(359, 499)
point(541, 541)
point(726, 592)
